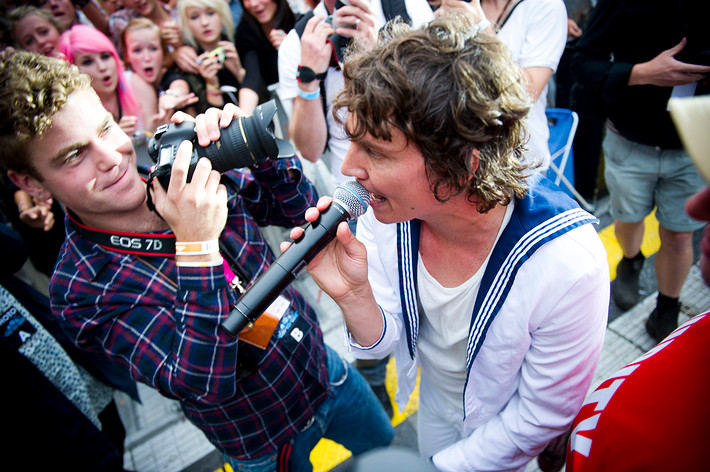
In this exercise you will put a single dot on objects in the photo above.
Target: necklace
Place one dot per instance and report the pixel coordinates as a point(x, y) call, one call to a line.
point(502, 12)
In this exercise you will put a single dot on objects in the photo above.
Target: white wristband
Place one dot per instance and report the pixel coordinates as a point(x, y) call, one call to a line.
point(200, 264)
point(197, 248)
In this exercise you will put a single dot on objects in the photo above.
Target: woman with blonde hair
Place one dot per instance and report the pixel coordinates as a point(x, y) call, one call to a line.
point(207, 26)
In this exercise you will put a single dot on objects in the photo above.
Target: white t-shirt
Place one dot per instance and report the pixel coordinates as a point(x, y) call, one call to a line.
point(290, 57)
point(444, 324)
point(536, 34)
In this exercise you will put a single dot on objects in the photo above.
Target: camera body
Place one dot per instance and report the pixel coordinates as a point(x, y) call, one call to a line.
point(247, 141)
point(219, 53)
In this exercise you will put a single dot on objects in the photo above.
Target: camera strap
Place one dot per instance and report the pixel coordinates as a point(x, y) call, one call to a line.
point(258, 333)
point(140, 244)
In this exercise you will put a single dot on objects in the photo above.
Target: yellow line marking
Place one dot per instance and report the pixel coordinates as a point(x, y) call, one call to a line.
point(327, 454)
point(650, 244)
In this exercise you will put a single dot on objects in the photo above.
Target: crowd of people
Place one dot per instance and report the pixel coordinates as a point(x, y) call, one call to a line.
point(484, 282)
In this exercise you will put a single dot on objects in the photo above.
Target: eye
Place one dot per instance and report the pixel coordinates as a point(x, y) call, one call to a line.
point(370, 152)
point(74, 157)
point(86, 62)
point(105, 56)
point(107, 129)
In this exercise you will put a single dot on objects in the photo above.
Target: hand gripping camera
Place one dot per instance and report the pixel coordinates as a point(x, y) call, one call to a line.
point(247, 141)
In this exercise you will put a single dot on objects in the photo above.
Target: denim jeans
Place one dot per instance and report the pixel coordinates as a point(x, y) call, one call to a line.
point(352, 417)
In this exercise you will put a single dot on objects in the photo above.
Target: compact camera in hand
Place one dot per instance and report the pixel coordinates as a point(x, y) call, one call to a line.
point(219, 53)
point(247, 141)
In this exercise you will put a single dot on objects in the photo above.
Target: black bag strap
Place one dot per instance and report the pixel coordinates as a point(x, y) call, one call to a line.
point(505, 20)
point(396, 8)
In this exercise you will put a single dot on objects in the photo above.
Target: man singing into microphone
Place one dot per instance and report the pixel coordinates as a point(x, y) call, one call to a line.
point(264, 403)
point(492, 282)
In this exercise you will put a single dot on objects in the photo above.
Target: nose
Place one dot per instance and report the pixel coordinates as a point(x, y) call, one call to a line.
point(108, 159)
point(354, 162)
point(109, 152)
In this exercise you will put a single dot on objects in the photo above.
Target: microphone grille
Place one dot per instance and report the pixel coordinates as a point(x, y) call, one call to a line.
point(353, 197)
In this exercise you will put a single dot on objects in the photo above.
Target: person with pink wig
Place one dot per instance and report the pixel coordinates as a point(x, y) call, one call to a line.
point(132, 102)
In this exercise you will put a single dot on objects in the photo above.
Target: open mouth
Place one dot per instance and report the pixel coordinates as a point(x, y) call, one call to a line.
point(377, 198)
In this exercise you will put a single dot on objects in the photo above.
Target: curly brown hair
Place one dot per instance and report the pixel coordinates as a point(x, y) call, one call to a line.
point(33, 88)
point(451, 89)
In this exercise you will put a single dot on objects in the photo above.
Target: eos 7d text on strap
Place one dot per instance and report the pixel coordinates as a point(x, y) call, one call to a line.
point(142, 244)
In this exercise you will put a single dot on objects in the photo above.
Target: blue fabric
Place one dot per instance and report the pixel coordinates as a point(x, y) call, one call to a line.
point(542, 215)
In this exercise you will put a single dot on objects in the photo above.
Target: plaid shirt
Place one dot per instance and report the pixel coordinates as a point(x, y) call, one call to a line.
point(163, 322)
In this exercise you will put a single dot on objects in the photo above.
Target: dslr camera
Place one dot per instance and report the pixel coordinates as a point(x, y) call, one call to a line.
point(247, 141)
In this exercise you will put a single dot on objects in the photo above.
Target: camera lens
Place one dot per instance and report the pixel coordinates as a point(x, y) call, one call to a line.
point(246, 141)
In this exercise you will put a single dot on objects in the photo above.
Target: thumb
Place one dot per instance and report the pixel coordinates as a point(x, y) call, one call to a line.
point(158, 192)
point(678, 47)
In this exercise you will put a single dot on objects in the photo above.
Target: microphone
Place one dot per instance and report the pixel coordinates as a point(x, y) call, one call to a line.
point(350, 200)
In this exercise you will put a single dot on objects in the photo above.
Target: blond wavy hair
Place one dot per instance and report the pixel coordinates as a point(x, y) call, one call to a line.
point(451, 89)
point(33, 88)
point(219, 6)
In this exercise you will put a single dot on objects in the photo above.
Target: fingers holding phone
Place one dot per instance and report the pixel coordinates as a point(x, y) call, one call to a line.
point(356, 19)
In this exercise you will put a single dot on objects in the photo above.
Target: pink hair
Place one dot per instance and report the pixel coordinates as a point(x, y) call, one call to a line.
point(87, 39)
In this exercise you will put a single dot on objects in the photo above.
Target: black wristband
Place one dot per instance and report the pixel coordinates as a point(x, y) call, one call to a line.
point(306, 75)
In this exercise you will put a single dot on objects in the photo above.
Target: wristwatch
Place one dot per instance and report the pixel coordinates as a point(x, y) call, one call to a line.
point(306, 75)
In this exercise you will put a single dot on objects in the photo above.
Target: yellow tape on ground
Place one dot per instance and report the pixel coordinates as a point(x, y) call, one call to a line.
point(650, 244)
point(327, 454)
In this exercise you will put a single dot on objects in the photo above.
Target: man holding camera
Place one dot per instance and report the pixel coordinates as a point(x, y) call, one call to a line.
point(150, 290)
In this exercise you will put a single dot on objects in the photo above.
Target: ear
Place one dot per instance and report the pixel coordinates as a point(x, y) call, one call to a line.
point(30, 185)
point(472, 162)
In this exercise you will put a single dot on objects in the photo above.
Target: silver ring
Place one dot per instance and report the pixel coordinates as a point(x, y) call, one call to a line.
point(357, 23)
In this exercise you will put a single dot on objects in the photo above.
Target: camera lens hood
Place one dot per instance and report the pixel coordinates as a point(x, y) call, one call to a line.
point(273, 147)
